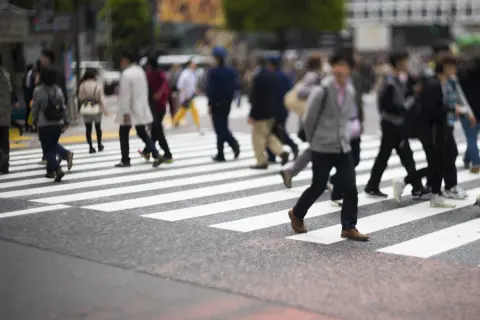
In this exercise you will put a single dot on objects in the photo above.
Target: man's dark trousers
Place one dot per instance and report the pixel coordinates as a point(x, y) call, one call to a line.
point(124, 133)
point(4, 149)
point(393, 137)
point(322, 164)
point(220, 113)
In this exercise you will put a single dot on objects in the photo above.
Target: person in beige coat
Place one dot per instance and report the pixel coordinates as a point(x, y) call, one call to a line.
point(91, 90)
point(133, 108)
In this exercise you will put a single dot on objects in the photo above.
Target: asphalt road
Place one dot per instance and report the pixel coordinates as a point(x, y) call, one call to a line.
point(196, 240)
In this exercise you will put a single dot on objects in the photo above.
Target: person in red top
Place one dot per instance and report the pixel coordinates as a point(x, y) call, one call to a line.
point(159, 92)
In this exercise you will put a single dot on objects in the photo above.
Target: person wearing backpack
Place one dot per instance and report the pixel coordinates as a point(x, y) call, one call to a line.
point(50, 116)
point(326, 123)
point(92, 106)
point(393, 105)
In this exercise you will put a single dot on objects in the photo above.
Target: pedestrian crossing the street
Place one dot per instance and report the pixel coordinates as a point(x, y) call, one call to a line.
point(230, 197)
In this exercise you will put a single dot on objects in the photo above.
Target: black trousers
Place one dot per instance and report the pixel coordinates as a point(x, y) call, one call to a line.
point(220, 113)
point(88, 133)
point(337, 193)
point(4, 149)
point(124, 133)
point(322, 164)
point(158, 134)
point(393, 137)
point(49, 137)
point(27, 112)
point(441, 152)
point(282, 134)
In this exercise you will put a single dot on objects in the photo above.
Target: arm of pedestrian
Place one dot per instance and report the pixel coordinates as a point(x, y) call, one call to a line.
point(35, 106)
point(313, 109)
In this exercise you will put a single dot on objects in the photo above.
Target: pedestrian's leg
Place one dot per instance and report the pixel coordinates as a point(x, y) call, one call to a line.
point(451, 154)
point(346, 179)
point(142, 134)
point(219, 127)
point(271, 156)
point(4, 149)
point(162, 140)
point(406, 158)
point(88, 135)
point(179, 115)
point(195, 114)
point(321, 166)
point(98, 130)
point(386, 146)
point(260, 133)
point(124, 134)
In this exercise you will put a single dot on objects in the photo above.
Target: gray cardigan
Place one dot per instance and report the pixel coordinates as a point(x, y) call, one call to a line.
point(326, 127)
point(40, 101)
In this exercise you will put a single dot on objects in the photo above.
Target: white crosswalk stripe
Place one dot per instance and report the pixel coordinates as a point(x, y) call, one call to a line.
point(230, 197)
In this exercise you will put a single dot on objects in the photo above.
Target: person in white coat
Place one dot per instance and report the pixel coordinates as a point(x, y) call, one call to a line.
point(134, 109)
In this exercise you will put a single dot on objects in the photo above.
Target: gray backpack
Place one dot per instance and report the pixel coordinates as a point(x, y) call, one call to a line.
point(5, 99)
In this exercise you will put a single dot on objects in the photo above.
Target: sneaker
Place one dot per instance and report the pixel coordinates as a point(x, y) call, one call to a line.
point(418, 194)
point(456, 193)
point(158, 161)
point(398, 186)
point(144, 155)
point(92, 150)
point(437, 201)
point(287, 178)
point(69, 160)
point(375, 193)
point(122, 165)
point(59, 175)
point(101, 148)
point(168, 159)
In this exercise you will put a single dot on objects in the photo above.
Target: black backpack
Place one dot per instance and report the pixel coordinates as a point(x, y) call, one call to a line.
point(54, 110)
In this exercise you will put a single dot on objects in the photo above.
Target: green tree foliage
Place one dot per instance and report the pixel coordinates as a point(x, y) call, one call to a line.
point(280, 15)
point(130, 22)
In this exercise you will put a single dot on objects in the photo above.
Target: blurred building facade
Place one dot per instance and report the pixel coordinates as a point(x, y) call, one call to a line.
point(384, 24)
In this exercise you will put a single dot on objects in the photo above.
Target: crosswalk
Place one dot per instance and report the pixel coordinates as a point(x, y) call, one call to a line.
point(230, 197)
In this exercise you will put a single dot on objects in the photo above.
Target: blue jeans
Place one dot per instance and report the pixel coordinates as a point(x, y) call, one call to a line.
point(471, 133)
point(49, 136)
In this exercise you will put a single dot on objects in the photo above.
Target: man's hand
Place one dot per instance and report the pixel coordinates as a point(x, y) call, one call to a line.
point(127, 119)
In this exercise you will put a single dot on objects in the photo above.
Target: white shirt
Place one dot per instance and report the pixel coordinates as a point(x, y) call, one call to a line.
point(133, 97)
point(187, 84)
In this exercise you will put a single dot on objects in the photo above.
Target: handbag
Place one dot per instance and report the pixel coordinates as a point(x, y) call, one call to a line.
point(90, 106)
point(293, 103)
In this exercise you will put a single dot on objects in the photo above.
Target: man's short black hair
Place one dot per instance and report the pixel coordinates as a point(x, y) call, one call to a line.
point(131, 56)
point(49, 54)
point(445, 61)
point(48, 76)
point(396, 57)
point(341, 56)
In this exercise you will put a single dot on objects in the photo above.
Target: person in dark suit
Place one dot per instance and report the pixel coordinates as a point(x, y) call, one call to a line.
point(263, 98)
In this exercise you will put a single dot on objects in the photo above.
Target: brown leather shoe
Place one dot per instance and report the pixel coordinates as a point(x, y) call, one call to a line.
point(353, 234)
point(259, 167)
point(297, 225)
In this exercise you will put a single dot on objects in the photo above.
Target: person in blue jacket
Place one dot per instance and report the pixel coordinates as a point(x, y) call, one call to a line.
point(221, 87)
point(284, 85)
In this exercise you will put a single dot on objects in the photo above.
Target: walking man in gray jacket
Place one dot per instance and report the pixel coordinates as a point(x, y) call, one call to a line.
point(327, 131)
